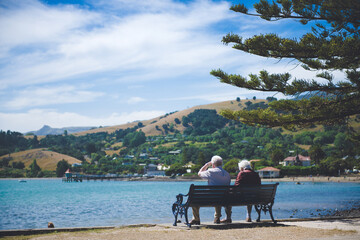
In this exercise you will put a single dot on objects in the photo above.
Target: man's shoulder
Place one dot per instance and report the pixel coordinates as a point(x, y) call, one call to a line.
point(216, 169)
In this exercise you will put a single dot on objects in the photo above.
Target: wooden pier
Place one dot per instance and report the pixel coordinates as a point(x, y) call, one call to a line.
point(80, 178)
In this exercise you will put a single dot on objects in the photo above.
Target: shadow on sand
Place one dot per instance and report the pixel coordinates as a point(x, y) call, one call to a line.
point(237, 225)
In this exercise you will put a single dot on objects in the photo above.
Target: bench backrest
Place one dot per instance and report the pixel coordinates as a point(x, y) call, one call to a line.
point(202, 195)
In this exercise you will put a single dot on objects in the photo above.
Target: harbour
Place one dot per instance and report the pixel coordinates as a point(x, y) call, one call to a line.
point(116, 203)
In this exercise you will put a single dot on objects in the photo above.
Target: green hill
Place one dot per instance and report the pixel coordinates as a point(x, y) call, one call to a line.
point(191, 135)
point(149, 126)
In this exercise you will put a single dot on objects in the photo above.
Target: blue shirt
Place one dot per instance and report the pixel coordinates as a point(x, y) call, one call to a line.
point(216, 176)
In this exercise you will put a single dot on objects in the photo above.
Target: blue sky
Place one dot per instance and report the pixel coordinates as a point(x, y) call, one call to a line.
point(108, 62)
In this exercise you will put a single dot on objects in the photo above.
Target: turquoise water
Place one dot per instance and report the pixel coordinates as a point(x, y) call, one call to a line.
point(114, 203)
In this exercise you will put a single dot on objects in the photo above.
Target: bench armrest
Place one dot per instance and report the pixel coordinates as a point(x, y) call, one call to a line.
point(180, 198)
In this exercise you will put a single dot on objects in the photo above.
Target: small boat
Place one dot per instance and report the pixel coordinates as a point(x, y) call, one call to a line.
point(22, 180)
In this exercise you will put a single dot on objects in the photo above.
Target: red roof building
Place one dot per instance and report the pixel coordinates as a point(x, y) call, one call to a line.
point(300, 160)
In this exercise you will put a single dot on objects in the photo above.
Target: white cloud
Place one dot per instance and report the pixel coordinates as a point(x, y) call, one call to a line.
point(138, 6)
point(225, 96)
point(173, 41)
point(118, 46)
point(36, 118)
point(134, 100)
point(43, 96)
point(30, 22)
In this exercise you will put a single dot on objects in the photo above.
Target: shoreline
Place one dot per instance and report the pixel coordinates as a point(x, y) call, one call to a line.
point(341, 179)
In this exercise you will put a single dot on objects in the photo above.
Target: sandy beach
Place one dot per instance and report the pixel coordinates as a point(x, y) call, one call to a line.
point(333, 229)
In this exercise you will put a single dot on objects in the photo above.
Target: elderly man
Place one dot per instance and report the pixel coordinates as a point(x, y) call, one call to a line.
point(215, 176)
point(245, 177)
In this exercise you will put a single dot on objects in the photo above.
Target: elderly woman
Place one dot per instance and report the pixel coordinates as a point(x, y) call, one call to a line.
point(246, 177)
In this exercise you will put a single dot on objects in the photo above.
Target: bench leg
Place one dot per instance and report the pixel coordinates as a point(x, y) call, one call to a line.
point(175, 210)
point(186, 217)
point(271, 215)
point(265, 208)
point(258, 210)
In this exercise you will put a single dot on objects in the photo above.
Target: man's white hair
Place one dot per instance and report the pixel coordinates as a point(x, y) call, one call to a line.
point(244, 164)
point(217, 161)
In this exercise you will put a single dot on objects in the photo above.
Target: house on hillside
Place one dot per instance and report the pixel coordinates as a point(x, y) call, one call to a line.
point(175, 152)
point(143, 156)
point(269, 172)
point(298, 160)
point(162, 167)
point(152, 170)
point(188, 167)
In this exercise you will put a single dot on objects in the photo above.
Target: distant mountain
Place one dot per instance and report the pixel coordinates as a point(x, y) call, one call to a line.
point(47, 130)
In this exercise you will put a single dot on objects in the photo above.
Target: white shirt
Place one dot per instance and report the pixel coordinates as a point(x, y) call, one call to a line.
point(216, 176)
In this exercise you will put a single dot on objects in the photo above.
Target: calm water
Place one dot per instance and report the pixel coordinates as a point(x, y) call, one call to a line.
point(113, 203)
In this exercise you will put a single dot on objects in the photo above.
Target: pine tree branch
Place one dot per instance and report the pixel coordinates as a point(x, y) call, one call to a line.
point(279, 83)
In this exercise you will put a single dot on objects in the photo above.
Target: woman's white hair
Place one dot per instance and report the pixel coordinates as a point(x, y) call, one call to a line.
point(217, 161)
point(244, 164)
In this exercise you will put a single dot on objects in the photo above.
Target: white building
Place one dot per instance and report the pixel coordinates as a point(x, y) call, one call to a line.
point(175, 152)
point(162, 167)
point(152, 170)
point(269, 172)
point(302, 160)
point(188, 167)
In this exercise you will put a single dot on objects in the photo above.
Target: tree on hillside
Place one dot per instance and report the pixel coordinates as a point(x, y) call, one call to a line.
point(332, 45)
point(277, 156)
point(35, 170)
point(18, 165)
point(343, 144)
point(61, 168)
point(204, 121)
point(90, 147)
point(134, 139)
point(34, 142)
point(316, 154)
point(201, 159)
point(232, 166)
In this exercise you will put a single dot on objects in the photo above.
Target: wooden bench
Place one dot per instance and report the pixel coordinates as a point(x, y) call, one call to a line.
point(262, 197)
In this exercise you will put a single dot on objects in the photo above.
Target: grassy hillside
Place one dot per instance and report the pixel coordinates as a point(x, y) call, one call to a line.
point(112, 129)
point(153, 127)
point(200, 142)
point(47, 160)
point(150, 125)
